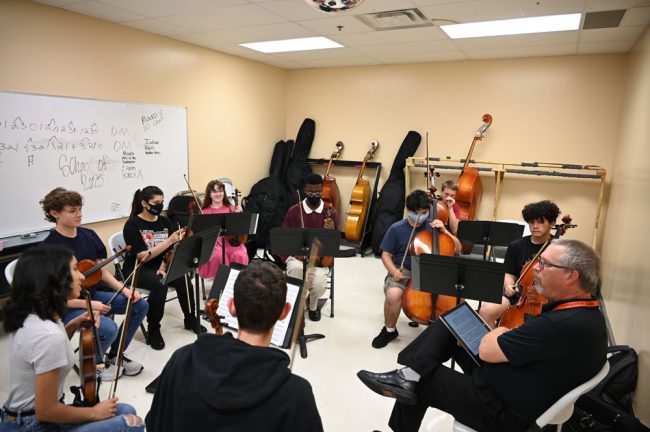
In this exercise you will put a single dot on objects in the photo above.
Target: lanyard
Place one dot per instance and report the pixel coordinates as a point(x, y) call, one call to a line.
point(577, 304)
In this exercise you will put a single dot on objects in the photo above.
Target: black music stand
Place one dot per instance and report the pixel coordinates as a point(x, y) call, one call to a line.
point(231, 224)
point(458, 277)
point(489, 233)
point(189, 254)
point(297, 242)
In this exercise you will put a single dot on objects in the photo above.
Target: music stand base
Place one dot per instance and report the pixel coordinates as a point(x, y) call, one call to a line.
point(306, 338)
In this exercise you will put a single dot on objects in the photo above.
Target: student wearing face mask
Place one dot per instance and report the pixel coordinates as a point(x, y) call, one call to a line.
point(312, 212)
point(150, 236)
point(394, 246)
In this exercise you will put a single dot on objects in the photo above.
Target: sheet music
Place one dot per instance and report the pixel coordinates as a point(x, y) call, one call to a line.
point(281, 327)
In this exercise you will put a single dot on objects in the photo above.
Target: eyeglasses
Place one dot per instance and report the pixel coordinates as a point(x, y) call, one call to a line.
point(543, 263)
point(313, 194)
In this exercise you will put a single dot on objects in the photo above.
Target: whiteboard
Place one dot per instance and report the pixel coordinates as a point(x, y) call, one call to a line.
point(102, 149)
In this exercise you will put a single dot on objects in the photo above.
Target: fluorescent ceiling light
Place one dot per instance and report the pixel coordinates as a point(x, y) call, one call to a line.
point(300, 44)
point(542, 24)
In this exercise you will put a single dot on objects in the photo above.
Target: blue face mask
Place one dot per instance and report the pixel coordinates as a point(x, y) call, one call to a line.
point(418, 220)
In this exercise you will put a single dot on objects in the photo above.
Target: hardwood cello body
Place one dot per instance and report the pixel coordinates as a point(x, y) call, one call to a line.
point(418, 305)
point(530, 303)
point(359, 201)
point(331, 194)
point(470, 186)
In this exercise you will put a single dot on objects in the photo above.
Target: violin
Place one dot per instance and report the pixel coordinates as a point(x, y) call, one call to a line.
point(359, 200)
point(530, 303)
point(470, 187)
point(331, 192)
point(90, 268)
point(240, 239)
point(419, 306)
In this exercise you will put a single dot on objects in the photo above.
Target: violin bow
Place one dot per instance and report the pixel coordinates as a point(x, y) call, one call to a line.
point(127, 316)
point(300, 318)
point(198, 204)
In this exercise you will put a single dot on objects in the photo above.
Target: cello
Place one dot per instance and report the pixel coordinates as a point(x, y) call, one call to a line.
point(470, 187)
point(359, 201)
point(331, 192)
point(418, 305)
point(530, 303)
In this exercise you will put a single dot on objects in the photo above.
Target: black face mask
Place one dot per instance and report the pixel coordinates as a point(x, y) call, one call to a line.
point(155, 209)
point(313, 201)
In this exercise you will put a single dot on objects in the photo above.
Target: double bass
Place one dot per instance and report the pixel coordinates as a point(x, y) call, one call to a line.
point(331, 192)
point(470, 187)
point(359, 201)
point(418, 305)
point(530, 303)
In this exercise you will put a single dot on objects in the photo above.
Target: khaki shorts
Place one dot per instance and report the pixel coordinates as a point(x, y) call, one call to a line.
point(389, 282)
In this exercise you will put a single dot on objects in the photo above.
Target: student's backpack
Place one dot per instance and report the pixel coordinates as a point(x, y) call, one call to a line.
point(608, 407)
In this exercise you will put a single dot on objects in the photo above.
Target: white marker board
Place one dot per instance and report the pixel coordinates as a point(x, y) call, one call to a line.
point(102, 149)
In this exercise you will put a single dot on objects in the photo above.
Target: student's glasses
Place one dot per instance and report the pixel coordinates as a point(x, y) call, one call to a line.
point(313, 194)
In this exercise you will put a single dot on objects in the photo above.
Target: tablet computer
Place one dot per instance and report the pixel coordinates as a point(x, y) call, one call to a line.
point(468, 328)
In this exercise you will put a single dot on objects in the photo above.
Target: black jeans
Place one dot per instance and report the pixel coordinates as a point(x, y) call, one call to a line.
point(463, 395)
point(148, 280)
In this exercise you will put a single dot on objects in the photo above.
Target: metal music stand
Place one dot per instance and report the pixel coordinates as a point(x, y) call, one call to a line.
point(297, 242)
point(489, 233)
point(231, 224)
point(458, 277)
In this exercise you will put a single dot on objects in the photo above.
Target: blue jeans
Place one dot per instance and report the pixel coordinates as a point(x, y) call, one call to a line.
point(107, 331)
point(31, 423)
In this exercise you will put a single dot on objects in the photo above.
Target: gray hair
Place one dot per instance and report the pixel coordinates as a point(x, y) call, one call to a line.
point(582, 258)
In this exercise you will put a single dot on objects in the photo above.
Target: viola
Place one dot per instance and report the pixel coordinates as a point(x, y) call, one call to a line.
point(359, 201)
point(211, 307)
point(530, 303)
point(90, 268)
point(470, 187)
point(419, 306)
point(331, 192)
point(88, 345)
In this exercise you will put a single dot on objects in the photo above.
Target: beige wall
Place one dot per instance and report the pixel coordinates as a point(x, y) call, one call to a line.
point(574, 109)
point(626, 269)
point(235, 107)
point(556, 109)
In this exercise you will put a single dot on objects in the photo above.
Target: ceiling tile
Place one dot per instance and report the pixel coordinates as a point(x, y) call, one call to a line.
point(611, 34)
point(336, 63)
point(636, 17)
point(293, 10)
point(411, 47)
point(329, 26)
point(390, 36)
point(237, 16)
point(421, 57)
point(318, 54)
point(160, 8)
point(536, 51)
point(152, 25)
point(558, 38)
point(286, 30)
point(604, 47)
point(102, 11)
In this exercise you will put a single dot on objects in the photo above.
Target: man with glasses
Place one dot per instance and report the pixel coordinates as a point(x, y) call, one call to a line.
point(541, 217)
point(524, 370)
point(311, 212)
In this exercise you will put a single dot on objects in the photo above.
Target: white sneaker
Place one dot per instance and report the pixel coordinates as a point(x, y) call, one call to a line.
point(108, 372)
point(129, 367)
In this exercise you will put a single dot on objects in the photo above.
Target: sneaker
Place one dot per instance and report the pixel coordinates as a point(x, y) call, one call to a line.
point(190, 324)
point(384, 337)
point(108, 372)
point(129, 367)
point(155, 339)
point(314, 315)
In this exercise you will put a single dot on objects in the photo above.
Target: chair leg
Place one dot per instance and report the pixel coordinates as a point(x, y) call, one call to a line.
point(332, 292)
point(145, 334)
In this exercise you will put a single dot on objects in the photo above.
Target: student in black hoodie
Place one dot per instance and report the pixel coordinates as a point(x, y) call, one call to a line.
point(222, 383)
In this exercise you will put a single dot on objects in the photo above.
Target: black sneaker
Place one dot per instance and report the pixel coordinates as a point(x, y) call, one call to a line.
point(155, 339)
point(190, 324)
point(384, 337)
point(314, 315)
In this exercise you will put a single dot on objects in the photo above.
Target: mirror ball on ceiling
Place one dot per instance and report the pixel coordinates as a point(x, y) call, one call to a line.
point(333, 6)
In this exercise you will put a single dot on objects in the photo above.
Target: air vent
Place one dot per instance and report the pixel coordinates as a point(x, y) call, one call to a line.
point(396, 19)
point(604, 19)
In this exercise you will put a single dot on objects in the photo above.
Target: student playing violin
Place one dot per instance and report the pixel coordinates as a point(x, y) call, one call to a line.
point(150, 236)
point(40, 353)
point(63, 207)
point(215, 202)
point(541, 217)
